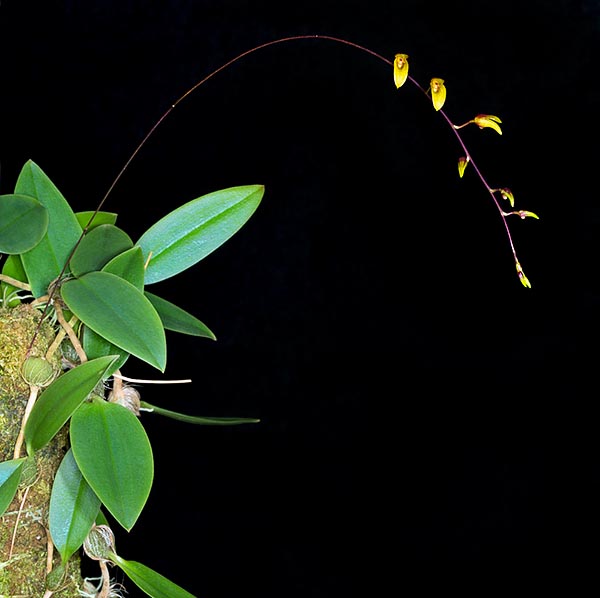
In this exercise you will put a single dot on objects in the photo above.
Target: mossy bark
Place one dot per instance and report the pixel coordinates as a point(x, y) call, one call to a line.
point(26, 555)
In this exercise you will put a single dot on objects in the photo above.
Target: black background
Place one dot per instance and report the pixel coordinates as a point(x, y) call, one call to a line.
point(425, 420)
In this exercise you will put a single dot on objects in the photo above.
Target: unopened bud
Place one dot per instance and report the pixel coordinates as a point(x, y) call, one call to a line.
point(99, 543)
point(127, 397)
point(36, 371)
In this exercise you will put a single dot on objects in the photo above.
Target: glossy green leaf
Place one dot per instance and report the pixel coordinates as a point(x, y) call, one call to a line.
point(12, 267)
point(99, 218)
point(196, 419)
point(46, 260)
point(95, 346)
point(10, 476)
point(73, 508)
point(149, 581)
point(176, 319)
point(98, 247)
point(128, 265)
point(23, 223)
point(59, 400)
point(189, 233)
point(120, 313)
point(114, 455)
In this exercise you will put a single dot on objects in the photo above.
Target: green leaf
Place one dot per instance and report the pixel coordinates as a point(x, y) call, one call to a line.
point(99, 218)
point(101, 519)
point(14, 268)
point(188, 234)
point(95, 346)
point(128, 265)
point(46, 260)
point(114, 455)
point(98, 247)
point(73, 508)
point(196, 419)
point(149, 581)
point(10, 476)
point(23, 223)
point(59, 400)
point(176, 319)
point(120, 313)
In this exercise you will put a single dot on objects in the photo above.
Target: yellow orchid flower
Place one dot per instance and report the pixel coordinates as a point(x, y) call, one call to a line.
point(488, 120)
point(462, 164)
point(524, 280)
point(438, 92)
point(522, 214)
point(400, 69)
point(507, 194)
point(484, 121)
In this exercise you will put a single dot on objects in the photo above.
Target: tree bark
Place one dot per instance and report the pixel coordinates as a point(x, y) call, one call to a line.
point(29, 566)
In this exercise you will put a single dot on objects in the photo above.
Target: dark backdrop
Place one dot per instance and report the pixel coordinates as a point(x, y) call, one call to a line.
point(424, 418)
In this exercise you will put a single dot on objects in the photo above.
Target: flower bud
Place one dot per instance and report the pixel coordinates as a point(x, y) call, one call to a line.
point(99, 543)
point(36, 371)
point(127, 397)
point(462, 164)
point(524, 280)
point(56, 578)
point(29, 472)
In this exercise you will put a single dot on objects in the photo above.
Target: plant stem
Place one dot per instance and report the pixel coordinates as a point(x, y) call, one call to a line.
point(33, 393)
point(230, 63)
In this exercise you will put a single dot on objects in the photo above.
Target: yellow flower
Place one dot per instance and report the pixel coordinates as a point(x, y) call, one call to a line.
point(506, 193)
point(524, 280)
point(488, 120)
point(522, 214)
point(462, 164)
point(400, 69)
point(438, 92)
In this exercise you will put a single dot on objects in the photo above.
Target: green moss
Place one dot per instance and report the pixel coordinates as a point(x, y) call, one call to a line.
point(23, 562)
point(17, 327)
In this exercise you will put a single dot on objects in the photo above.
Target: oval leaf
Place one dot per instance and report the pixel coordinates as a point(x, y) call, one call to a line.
point(98, 218)
point(114, 455)
point(46, 260)
point(98, 247)
point(12, 267)
point(149, 581)
point(23, 223)
point(128, 265)
point(96, 346)
point(58, 402)
point(73, 508)
point(176, 319)
point(189, 233)
point(10, 476)
point(120, 313)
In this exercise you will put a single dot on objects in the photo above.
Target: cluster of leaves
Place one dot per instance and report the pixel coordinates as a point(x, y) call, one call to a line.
point(91, 277)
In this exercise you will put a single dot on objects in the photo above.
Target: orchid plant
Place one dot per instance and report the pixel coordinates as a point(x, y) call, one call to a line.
point(75, 307)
